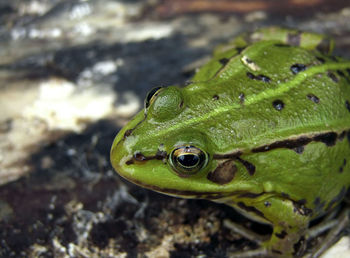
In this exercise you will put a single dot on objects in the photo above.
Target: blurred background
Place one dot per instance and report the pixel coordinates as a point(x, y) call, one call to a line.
point(72, 73)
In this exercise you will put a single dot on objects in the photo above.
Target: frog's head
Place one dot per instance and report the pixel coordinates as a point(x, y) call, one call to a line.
point(164, 149)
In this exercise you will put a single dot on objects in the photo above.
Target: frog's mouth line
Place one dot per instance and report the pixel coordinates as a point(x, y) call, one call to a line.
point(299, 206)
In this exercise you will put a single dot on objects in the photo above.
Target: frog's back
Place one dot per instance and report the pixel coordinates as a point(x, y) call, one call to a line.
point(285, 112)
point(270, 92)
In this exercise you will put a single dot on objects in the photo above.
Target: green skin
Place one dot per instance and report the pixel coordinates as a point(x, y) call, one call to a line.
point(270, 114)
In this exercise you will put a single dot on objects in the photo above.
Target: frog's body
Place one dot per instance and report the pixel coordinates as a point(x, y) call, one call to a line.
point(263, 127)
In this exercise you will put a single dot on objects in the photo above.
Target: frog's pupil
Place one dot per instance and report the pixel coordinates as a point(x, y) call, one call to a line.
point(188, 160)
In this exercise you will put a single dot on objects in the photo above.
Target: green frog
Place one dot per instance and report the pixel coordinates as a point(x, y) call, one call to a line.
point(264, 127)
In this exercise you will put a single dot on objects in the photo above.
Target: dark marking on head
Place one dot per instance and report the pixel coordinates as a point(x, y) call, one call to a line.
point(313, 98)
point(285, 195)
point(324, 46)
point(321, 59)
point(299, 149)
point(341, 169)
point(249, 166)
point(267, 204)
point(250, 209)
point(337, 199)
point(342, 135)
point(297, 68)
point(347, 105)
point(278, 104)
point(281, 235)
point(259, 77)
point(301, 202)
point(249, 61)
point(294, 38)
point(128, 133)
point(241, 98)
point(224, 173)
point(250, 195)
point(348, 71)
point(327, 138)
point(139, 157)
point(224, 61)
point(333, 77)
point(215, 97)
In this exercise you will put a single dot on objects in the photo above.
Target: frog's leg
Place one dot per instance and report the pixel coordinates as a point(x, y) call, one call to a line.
point(289, 219)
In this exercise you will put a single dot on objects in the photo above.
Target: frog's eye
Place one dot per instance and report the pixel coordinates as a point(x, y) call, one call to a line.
point(188, 160)
point(151, 96)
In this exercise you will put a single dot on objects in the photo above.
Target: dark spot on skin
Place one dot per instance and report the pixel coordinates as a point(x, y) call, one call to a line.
point(241, 98)
point(160, 155)
point(224, 61)
point(294, 39)
point(215, 97)
point(259, 77)
point(267, 204)
point(319, 205)
point(333, 77)
point(250, 209)
point(181, 104)
point(263, 78)
point(340, 73)
point(224, 173)
point(321, 59)
point(342, 136)
point(278, 104)
point(249, 166)
point(341, 169)
point(239, 49)
point(301, 209)
point(285, 195)
point(299, 149)
point(337, 198)
point(313, 98)
point(250, 75)
point(281, 45)
point(127, 133)
point(250, 195)
point(347, 105)
point(297, 68)
point(139, 156)
point(276, 251)
point(327, 138)
point(281, 235)
point(324, 46)
point(348, 70)
point(334, 58)
point(302, 202)
point(348, 136)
